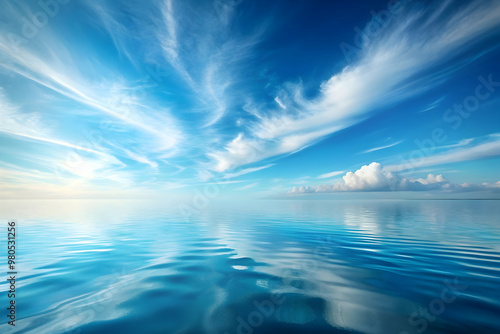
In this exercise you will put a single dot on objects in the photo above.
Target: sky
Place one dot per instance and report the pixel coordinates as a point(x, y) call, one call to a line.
point(249, 99)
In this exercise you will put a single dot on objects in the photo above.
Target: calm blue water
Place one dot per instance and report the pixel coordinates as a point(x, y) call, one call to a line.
point(265, 267)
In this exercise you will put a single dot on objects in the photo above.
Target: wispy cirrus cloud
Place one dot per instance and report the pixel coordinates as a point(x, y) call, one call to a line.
point(245, 171)
point(106, 109)
point(331, 174)
point(462, 151)
point(48, 62)
point(208, 64)
point(30, 126)
point(169, 94)
point(248, 186)
point(198, 47)
point(384, 74)
point(378, 148)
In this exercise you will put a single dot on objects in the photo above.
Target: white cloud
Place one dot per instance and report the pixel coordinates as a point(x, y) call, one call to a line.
point(14, 121)
point(384, 74)
point(48, 62)
point(29, 126)
point(382, 147)
point(248, 186)
point(463, 142)
point(278, 101)
point(206, 64)
point(374, 177)
point(433, 105)
point(225, 182)
point(169, 43)
point(206, 175)
point(480, 151)
point(66, 165)
point(140, 158)
point(245, 171)
point(332, 174)
point(371, 177)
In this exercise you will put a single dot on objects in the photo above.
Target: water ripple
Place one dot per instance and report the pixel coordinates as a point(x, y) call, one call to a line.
point(289, 267)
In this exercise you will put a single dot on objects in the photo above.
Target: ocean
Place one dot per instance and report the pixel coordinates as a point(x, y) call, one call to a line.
point(291, 266)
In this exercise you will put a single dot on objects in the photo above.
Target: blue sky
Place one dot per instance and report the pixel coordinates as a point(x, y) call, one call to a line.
point(251, 98)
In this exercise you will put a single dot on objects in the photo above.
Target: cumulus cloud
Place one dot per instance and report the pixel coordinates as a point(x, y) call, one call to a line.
point(374, 177)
